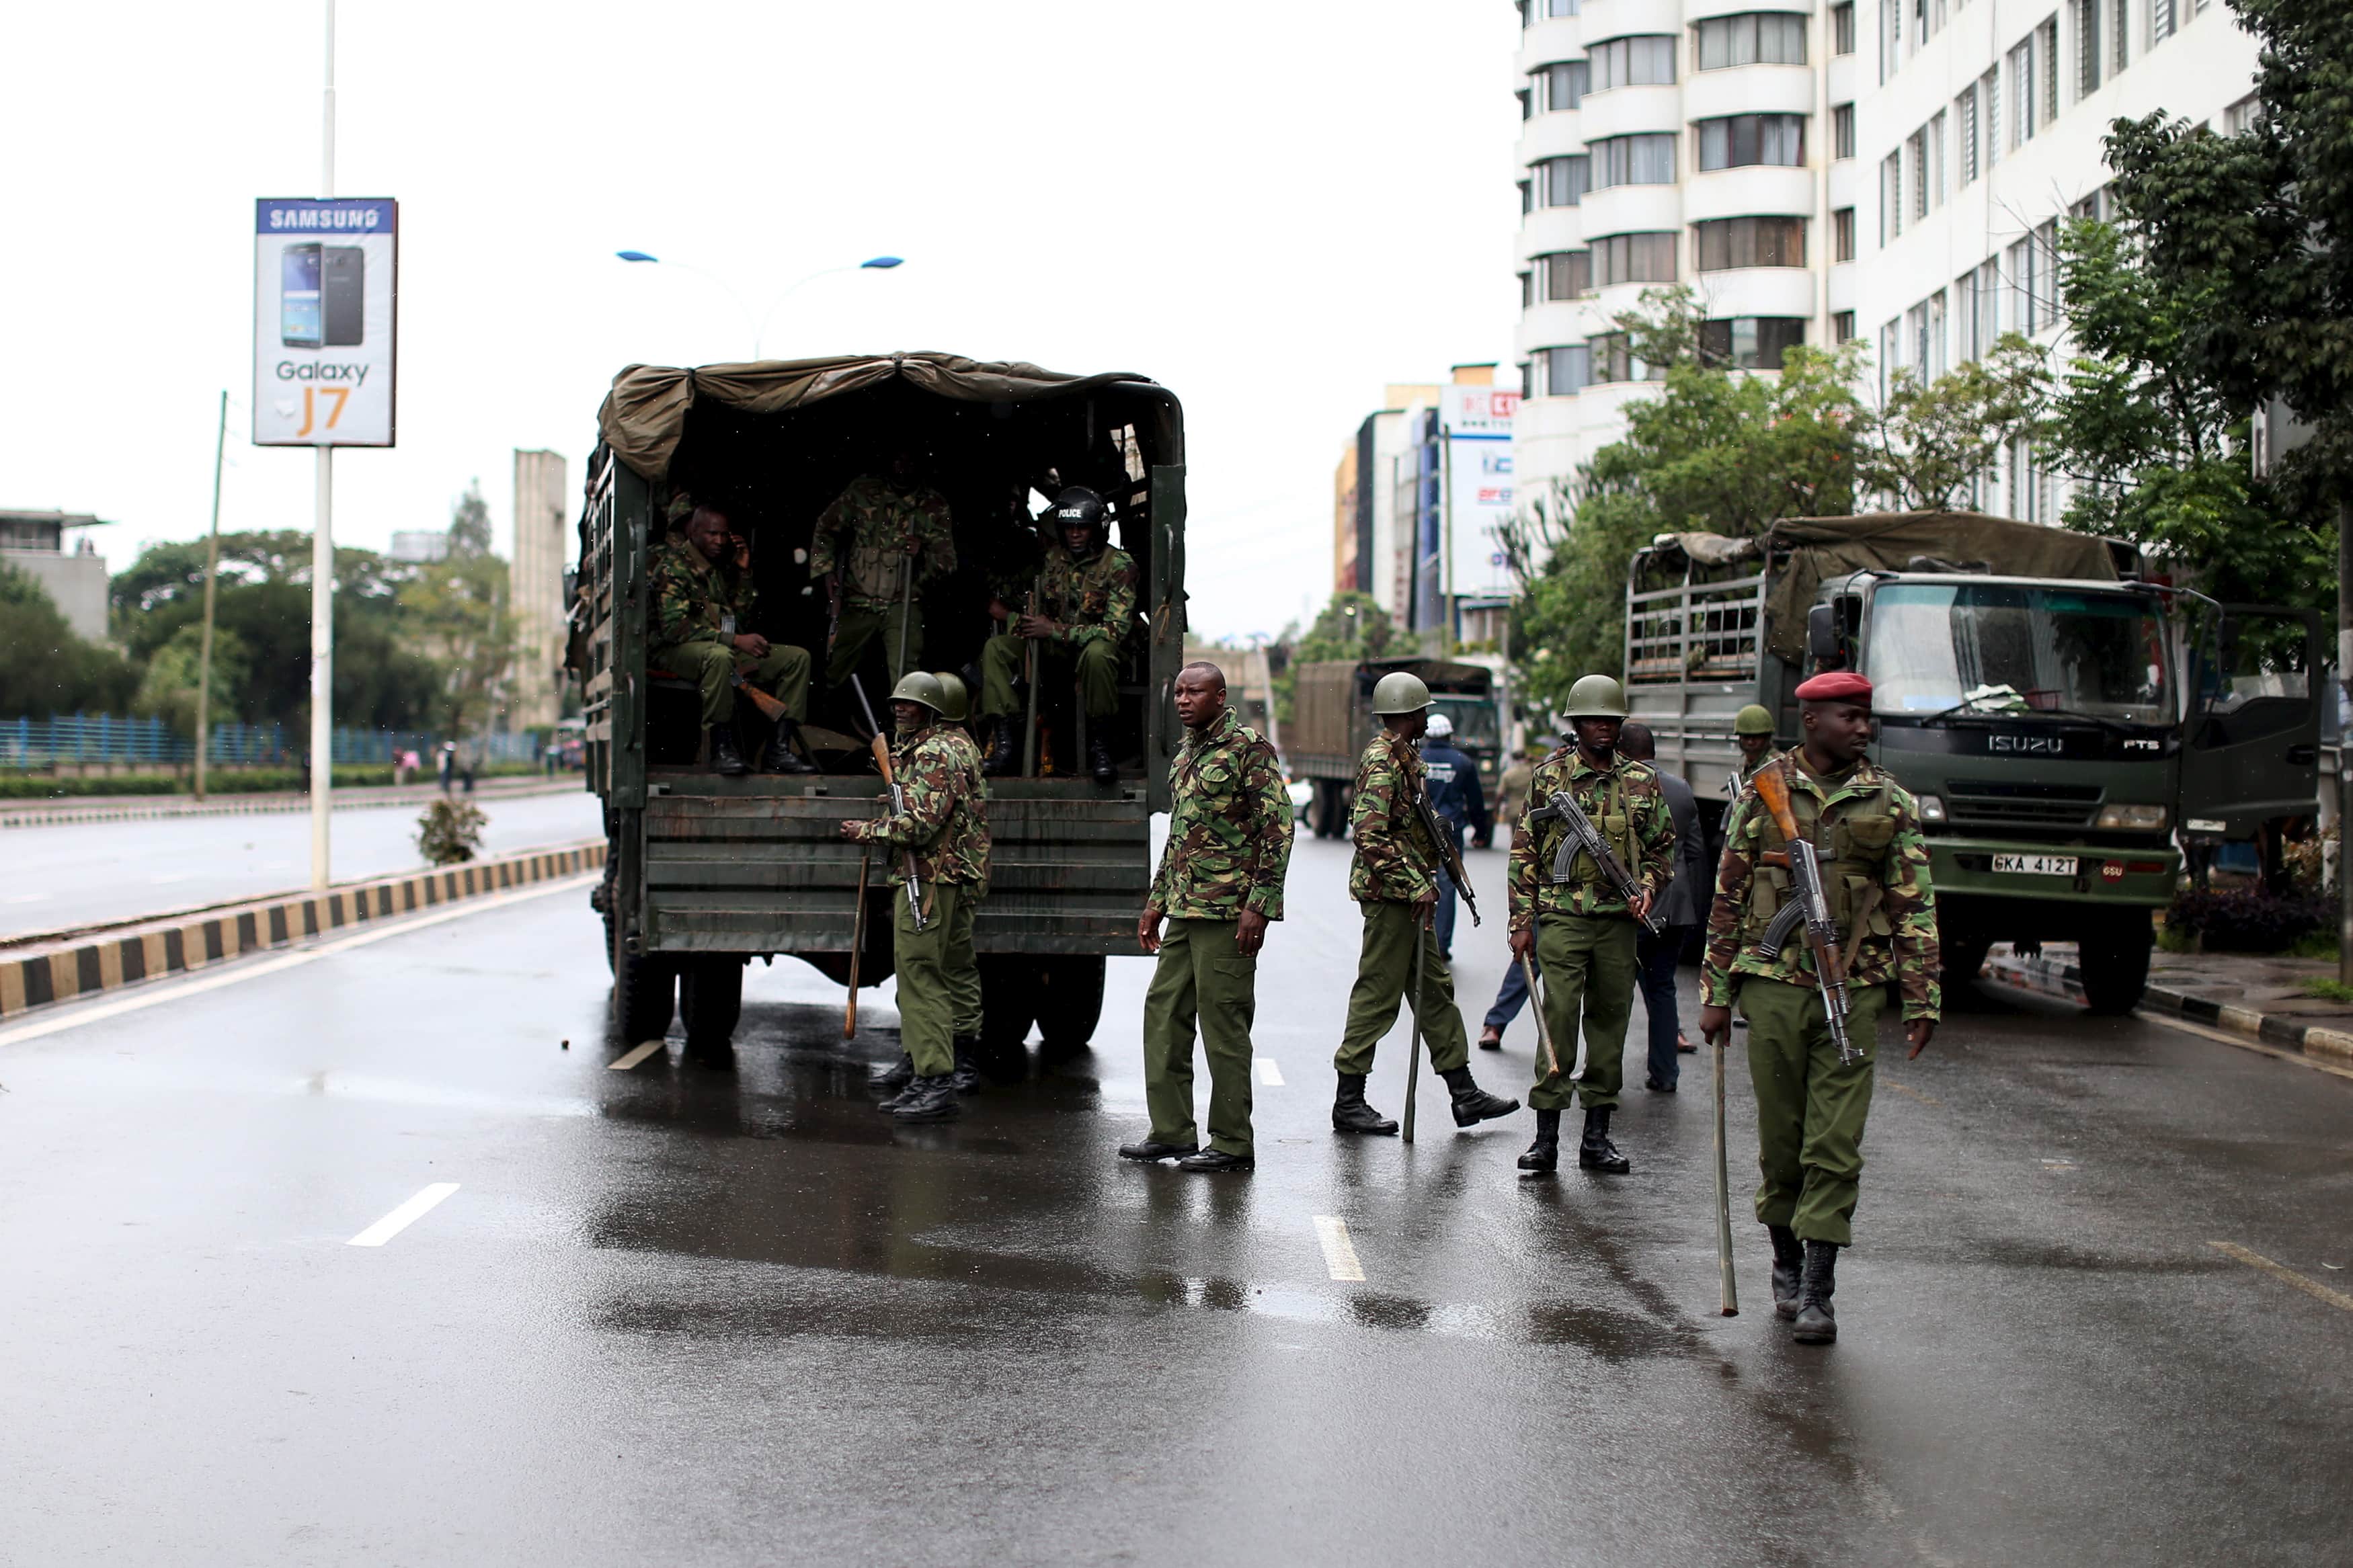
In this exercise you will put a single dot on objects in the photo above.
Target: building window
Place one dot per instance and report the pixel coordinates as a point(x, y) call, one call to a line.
point(1726, 243)
point(1891, 39)
point(1842, 235)
point(1916, 172)
point(2119, 29)
point(1647, 159)
point(1560, 372)
point(2088, 57)
point(1975, 293)
point(1964, 134)
point(1841, 326)
point(1612, 359)
point(1646, 61)
point(1633, 259)
point(1843, 131)
point(1751, 342)
point(1842, 28)
point(1891, 198)
point(1757, 38)
point(1528, 197)
point(2021, 92)
point(2046, 44)
point(1528, 289)
point(1526, 110)
point(1559, 86)
point(2239, 118)
point(1938, 176)
point(1742, 140)
point(1562, 182)
point(2161, 19)
point(1989, 110)
point(1567, 274)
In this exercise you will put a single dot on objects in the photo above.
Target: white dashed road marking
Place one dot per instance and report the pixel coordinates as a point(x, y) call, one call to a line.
point(404, 1216)
point(1339, 1252)
point(2281, 1272)
point(637, 1054)
point(1268, 1073)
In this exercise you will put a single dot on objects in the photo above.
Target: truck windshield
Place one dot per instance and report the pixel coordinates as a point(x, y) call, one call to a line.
point(1474, 717)
point(2003, 648)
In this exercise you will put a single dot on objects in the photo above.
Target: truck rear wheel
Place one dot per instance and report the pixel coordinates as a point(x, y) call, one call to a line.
point(645, 991)
point(1327, 812)
point(2115, 966)
point(1070, 1005)
point(710, 998)
point(1009, 1002)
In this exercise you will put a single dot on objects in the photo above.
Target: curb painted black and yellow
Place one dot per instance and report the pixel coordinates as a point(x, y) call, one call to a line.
point(2056, 978)
point(151, 808)
point(85, 964)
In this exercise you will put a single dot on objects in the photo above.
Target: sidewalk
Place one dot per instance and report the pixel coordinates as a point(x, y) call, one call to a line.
point(136, 807)
point(2259, 996)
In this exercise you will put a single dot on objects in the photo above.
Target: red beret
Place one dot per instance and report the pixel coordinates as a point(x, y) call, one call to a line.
point(1836, 686)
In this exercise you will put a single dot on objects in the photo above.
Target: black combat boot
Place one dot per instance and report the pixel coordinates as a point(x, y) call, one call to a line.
point(1351, 1114)
point(968, 1064)
point(1149, 1150)
point(895, 1077)
point(1543, 1154)
point(1817, 1324)
point(1217, 1162)
point(724, 757)
point(929, 1100)
point(1473, 1104)
point(1594, 1151)
point(1003, 753)
point(1099, 761)
point(711, 1056)
point(781, 758)
point(1788, 1263)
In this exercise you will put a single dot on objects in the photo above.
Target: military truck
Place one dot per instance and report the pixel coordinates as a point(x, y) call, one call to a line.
point(707, 872)
point(2062, 718)
point(1332, 723)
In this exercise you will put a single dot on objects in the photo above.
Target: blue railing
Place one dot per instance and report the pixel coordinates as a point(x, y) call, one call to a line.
point(105, 738)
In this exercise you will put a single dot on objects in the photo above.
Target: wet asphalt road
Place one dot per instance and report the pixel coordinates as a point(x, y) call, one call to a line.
point(84, 872)
point(679, 1318)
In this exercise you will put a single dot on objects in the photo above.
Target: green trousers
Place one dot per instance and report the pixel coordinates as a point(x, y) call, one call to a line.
point(783, 673)
point(964, 965)
point(1589, 970)
point(1001, 662)
point(1385, 978)
point(927, 978)
point(1200, 979)
point(1810, 1110)
point(860, 626)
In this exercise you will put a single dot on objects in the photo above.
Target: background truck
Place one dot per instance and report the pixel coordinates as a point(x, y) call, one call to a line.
point(2060, 721)
point(707, 872)
point(1332, 723)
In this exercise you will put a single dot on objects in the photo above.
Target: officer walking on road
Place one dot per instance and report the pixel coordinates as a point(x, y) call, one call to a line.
point(1811, 1108)
point(944, 825)
point(1684, 907)
point(1394, 880)
point(1582, 929)
point(701, 592)
point(1219, 882)
point(1452, 780)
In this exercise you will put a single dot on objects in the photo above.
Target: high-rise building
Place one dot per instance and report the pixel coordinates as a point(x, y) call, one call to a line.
point(34, 543)
point(1893, 168)
point(542, 509)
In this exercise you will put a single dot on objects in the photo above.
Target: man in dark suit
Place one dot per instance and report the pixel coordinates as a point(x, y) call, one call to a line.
point(1685, 906)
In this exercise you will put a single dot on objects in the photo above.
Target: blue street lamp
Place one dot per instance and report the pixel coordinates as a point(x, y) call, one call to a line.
point(760, 326)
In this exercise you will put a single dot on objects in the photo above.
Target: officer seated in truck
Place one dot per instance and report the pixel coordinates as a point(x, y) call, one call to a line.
point(703, 595)
point(1087, 592)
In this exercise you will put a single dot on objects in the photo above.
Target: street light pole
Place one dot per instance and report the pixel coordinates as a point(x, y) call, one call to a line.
point(212, 572)
point(760, 325)
point(322, 555)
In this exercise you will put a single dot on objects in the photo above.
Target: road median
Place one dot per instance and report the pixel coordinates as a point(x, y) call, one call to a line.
point(2055, 975)
point(40, 971)
point(144, 807)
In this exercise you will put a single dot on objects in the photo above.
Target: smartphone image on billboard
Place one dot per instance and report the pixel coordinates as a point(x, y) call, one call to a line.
point(300, 320)
point(343, 288)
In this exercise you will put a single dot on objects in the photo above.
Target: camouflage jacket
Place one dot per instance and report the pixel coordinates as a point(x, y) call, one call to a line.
point(1229, 830)
point(945, 822)
point(1092, 600)
point(1396, 862)
point(1625, 803)
point(880, 519)
point(1875, 865)
point(695, 599)
point(1737, 779)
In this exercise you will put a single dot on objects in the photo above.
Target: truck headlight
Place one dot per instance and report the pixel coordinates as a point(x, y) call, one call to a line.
point(2131, 819)
point(1931, 810)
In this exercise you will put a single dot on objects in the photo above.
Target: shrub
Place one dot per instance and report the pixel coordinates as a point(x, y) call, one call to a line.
point(2248, 919)
point(450, 831)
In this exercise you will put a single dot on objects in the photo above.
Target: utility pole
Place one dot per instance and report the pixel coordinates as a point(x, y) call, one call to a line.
point(2345, 744)
point(211, 571)
point(322, 555)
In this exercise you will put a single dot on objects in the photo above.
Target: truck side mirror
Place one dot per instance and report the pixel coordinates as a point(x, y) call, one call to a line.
point(1824, 646)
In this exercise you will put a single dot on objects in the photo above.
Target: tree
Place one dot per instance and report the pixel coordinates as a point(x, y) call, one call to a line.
point(470, 523)
point(1352, 625)
point(1930, 443)
point(168, 689)
point(45, 667)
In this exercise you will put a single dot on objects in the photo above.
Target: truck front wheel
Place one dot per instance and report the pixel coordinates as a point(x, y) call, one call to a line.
point(645, 993)
point(2115, 966)
point(1963, 954)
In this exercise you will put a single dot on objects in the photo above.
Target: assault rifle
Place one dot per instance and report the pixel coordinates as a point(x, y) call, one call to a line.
point(1441, 839)
point(1811, 907)
point(898, 800)
point(1583, 838)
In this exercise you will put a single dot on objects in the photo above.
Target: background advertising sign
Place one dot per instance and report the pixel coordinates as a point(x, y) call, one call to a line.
point(1477, 421)
point(324, 282)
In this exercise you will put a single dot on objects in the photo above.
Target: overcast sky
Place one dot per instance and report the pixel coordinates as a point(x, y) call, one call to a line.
point(1273, 207)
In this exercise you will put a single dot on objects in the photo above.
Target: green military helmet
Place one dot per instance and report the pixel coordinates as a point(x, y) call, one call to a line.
point(1399, 691)
point(1753, 720)
point(921, 685)
point(955, 702)
point(1596, 697)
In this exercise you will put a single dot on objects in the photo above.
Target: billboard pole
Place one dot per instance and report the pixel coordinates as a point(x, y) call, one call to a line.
point(322, 555)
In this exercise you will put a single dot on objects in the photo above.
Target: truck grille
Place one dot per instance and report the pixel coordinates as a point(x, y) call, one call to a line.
point(2001, 803)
